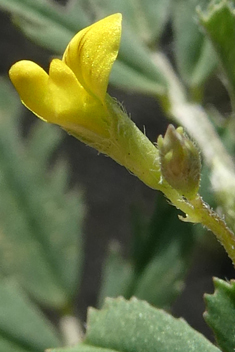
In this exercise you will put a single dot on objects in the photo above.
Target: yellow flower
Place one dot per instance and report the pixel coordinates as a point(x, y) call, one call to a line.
point(73, 95)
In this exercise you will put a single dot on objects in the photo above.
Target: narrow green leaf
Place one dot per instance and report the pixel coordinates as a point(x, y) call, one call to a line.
point(134, 69)
point(205, 65)
point(117, 275)
point(162, 279)
point(125, 77)
point(40, 224)
point(53, 26)
point(163, 256)
point(135, 326)
point(195, 57)
point(139, 58)
point(156, 14)
point(219, 23)
point(160, 258)
point(47, 23)
point(23, 328)
point(51, 138)
point(220, 313)
point(60, 176)
point(146, 19)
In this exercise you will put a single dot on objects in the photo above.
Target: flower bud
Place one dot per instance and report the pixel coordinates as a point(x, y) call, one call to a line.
point(180, 161)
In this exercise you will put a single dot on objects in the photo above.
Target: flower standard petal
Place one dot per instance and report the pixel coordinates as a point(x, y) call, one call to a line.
point(91, 53)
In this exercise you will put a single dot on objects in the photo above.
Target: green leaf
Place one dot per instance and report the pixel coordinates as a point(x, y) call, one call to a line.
point(156, 14)
point(162, 255)
point(163, 278)
point(205, 65)
point(160, 258)
point(135, 326)
point(125, 77)
point(117, 275)
point(135, 69)
point(219, 23)
point(134, 54)
point(83, 348)
point(53, 27)
point(195, 56)
point(23, 328)
point(47, 23)
point(220, 313)
point(146, 19)
point(38, 150)
point(40, 221)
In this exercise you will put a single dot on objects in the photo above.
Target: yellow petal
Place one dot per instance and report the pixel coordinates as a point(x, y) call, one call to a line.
point(58, 97)
point(73, 107)
point(30, 81)
point(64, 94)
point(91, 54)
point(54, 97)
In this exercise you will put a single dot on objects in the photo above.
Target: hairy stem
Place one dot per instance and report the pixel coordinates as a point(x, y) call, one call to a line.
point(197, 211)
point(197, 123)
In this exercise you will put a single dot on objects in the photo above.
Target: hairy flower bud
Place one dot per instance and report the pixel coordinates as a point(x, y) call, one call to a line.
point(180, 161)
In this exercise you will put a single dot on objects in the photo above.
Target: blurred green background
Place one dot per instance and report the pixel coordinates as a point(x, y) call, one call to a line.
point(117, 204)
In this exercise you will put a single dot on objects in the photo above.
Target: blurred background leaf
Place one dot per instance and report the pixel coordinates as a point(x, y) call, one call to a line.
point(136, 67)
point(23, 328)
point(142, 26)
point(34, 201)
point(40, 221)
point(46, 22)
point(219, 23)
point(160, 258)
point(117, 274)
point(52, 26)
point(195, 57)
point(146, 19)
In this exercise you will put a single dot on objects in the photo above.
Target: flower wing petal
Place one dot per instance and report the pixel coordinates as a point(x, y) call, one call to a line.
point(30, 80)
point(65, 94)
point(74, 109)
point(58, 97)
point(54, 97)
point(91, 53)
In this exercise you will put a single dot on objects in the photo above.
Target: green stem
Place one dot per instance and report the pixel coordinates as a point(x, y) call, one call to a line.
point(133, 150)
point(128, 146)
point(196, 121)
point(197, 211)
point(213, 221)
point(141, 157)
